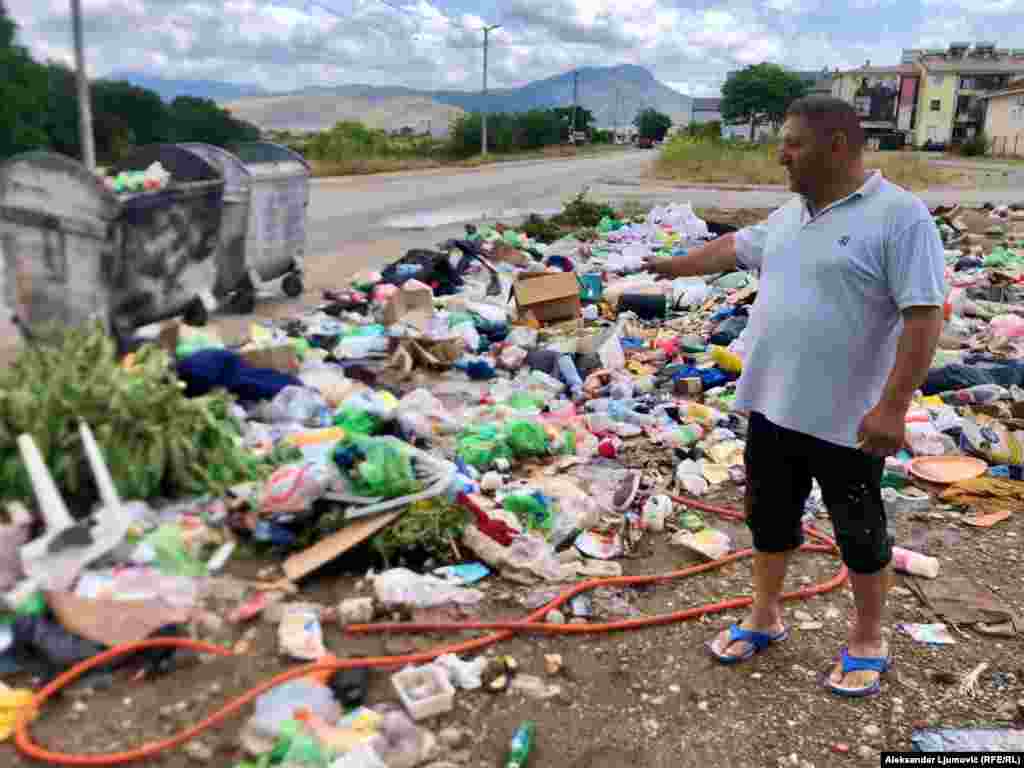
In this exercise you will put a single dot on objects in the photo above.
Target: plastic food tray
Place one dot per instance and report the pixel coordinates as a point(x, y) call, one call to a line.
point(411, 678)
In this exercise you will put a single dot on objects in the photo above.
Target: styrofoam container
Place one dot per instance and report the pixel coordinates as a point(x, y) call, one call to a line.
point(424, 691)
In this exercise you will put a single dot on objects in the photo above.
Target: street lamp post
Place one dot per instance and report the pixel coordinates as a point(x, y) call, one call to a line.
point(84, 105)
point(483, 121)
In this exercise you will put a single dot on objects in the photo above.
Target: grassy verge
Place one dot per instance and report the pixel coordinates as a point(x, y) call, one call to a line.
point(724, 163)
point(370, 165)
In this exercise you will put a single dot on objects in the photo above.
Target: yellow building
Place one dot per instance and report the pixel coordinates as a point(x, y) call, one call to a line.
point(934, 96)
point(1004, 120)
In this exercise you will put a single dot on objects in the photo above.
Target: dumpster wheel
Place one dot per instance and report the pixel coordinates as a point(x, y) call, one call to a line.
point(292, 285)
point(196, 314)
point(244, 302)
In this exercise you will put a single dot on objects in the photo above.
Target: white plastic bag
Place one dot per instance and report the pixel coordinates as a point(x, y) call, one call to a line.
point(689, 291)
point(629, 259)
point(400, 586)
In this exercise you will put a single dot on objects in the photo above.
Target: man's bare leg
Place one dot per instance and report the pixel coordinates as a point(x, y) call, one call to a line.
point(766, 612)
point(865, 638)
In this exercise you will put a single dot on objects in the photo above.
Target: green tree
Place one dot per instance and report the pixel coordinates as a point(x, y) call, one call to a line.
point(195, 119)
point(22, 94)
point(759, 94)
point(652, 124)
point(584, 117)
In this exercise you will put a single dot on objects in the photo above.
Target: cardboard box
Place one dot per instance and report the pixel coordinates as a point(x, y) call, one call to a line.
point(413, 298)
point(281, 358)
point(548, 296)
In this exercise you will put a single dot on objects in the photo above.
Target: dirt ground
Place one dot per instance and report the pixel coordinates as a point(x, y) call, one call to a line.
point(650, 698)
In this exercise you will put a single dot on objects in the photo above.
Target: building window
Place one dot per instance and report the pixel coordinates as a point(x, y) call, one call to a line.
point(936, 105)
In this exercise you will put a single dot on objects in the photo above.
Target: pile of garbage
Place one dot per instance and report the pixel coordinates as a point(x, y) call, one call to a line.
point(477, 410)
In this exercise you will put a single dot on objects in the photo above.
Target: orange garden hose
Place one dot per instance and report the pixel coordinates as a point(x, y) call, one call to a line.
point(534, 622)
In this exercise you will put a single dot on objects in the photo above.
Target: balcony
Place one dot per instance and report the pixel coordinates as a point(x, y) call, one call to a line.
point(970, 117)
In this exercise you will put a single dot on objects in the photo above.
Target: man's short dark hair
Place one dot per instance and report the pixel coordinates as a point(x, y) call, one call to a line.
point(826, 115)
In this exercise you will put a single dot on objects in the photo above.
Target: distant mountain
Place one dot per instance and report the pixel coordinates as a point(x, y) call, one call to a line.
point(318, 110)
point(203, 89)
point(613, 94)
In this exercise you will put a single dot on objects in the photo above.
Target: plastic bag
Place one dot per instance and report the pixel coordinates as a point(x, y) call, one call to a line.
point(534, 510)
point(926, 440)
point(172, 555)
point(526, 438)
point(994, 443)
point(422, 415)
point(300, 404)
point(689, 292)
point(1008, 326)
point(534, 554)
point(629, 259)
point(280, 704)
point(512, 358)
point(294, 487)
point(13, 702)
point(377, 467)
point(329, 380)
point(523, 337)
point(400, 586)
point(480, 446)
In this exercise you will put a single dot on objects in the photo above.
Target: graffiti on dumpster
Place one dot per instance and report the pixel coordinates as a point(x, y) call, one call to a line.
point(167, 258)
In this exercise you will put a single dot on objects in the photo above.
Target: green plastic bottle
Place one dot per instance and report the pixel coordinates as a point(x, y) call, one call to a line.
point(519, 750)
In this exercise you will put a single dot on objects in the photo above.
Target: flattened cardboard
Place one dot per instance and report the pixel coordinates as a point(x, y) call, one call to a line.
point(548, 296)
point(335, 545)
point(113, 622)
point(413, 298)
point(282, 358)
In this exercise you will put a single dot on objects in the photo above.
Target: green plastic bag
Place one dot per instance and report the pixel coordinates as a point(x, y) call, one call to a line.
point(172, 558)
point(531, 511)
point(384, 470)
point(524, 401)
point(356, 421)
point(481, 446)
point(527, 438)
point(1002, 257)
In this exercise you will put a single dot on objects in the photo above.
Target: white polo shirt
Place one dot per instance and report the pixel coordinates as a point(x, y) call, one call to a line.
point(827, 320)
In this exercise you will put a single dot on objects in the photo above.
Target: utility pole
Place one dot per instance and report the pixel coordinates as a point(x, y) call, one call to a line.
point(483, 119)
point(84, 105)
point(575, 99)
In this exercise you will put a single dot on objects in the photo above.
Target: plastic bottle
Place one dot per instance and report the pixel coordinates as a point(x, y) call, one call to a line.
point(726, 360)
point(570, 375)
point(914, 563)
point(519, 749)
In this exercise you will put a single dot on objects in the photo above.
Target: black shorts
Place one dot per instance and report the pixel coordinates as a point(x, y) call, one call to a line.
point(781, 465)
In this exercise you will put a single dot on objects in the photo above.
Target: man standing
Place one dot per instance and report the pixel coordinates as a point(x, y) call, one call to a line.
point(849, 312)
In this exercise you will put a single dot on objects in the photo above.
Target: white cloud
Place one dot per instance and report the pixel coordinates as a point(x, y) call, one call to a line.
point(287, 44)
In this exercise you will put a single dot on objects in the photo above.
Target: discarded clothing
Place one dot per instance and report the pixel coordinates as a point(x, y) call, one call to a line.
point(211, 369)
point(973, 372)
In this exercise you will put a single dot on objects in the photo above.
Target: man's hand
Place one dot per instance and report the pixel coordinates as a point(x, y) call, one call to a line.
point(660, 266)
point(883, 430)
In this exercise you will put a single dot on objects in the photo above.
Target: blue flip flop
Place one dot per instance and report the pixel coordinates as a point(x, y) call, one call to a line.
point(758, 642)
point(850, 663)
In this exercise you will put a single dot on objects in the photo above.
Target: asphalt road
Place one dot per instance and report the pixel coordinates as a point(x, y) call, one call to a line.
point(422, 208)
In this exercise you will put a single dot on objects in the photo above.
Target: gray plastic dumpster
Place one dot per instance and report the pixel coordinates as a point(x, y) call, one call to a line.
point(278, 199)
point(58, 238)
point(232, 269)
point(170, 240)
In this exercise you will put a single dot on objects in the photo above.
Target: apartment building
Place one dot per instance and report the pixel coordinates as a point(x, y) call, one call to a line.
point(1004, 120)
point(933, 96)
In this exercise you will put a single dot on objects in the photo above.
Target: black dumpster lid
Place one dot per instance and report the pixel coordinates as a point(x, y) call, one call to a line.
point(183, 164)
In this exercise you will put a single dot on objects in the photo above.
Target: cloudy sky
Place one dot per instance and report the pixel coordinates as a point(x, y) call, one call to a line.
point(688, 44)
